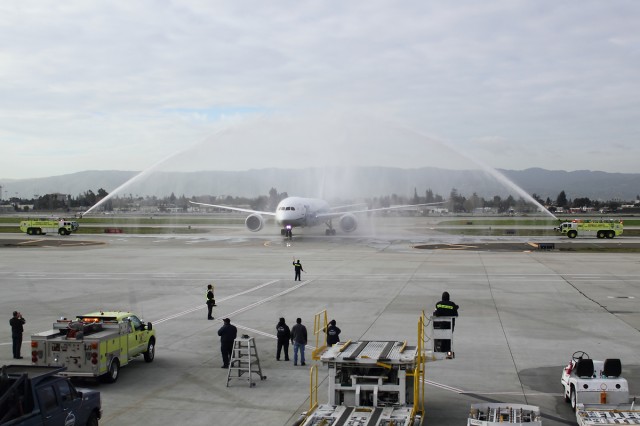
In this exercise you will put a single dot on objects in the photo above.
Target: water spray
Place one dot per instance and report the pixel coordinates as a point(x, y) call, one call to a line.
point(140, 175)
point(496, 175)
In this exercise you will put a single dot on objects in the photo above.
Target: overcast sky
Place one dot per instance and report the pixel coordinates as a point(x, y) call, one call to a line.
point(120, 85)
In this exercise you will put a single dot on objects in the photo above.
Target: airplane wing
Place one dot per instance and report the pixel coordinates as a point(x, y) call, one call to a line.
point(347, 206)
point(337, 214)
point(235, 209)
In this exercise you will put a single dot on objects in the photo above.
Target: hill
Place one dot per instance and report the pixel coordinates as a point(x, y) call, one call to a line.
point(335, 182)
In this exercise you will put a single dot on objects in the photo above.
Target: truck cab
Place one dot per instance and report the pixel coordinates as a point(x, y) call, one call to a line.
point(32, 395)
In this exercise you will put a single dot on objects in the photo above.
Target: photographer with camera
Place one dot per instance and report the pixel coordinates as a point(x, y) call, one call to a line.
point(17, 328)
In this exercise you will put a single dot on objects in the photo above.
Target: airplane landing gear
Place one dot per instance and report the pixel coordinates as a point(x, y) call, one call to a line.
point(287, 233)
point(329, 231)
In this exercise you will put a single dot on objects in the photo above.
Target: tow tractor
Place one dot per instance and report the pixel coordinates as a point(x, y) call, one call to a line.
point(597, 391)
point(588, 381)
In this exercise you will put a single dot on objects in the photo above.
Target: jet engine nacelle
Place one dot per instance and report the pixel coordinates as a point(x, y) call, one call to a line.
point(254, 222)
point(348, 222)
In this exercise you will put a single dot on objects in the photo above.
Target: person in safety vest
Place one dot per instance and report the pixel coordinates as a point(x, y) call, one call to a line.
point(211, 301)
point(447, 308)
point(298, 268)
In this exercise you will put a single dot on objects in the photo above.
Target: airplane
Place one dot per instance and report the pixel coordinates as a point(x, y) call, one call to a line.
point(301, 212)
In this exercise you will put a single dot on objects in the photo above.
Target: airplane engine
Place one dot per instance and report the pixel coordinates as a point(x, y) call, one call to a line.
point(254, 222)
point(348, 222)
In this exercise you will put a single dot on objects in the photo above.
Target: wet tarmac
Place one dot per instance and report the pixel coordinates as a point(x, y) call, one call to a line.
point(523, 312)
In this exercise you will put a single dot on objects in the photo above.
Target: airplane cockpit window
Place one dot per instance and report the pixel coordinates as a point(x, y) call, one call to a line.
point(293, 208)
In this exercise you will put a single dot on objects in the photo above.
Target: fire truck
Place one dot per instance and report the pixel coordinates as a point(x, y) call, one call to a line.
point(95, 344)
point(601, 228)
point(42, 226)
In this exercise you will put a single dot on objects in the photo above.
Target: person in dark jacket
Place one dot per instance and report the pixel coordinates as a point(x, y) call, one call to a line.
point(447, 308)
point(16, 323)
point(211, 301)
point(283, 334)
point(228, 334)
point(333, 333)
point(297, 266)
point(299, 340)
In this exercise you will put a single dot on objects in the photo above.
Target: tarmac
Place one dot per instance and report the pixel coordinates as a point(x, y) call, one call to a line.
point(523, 312)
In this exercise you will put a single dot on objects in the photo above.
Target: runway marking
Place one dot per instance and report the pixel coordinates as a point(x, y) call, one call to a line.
point(441, 386)
point(31, 241)
point(229, 315)
point(265, 300)
point(265, 334)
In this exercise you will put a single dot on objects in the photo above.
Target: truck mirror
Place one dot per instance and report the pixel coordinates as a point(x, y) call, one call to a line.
point(149, 326)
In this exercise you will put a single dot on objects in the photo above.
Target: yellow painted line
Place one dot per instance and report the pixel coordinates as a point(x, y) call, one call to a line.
point(32, 241)
point(458, 247)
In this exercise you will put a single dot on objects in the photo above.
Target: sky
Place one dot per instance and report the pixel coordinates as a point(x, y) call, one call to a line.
point(122, 85)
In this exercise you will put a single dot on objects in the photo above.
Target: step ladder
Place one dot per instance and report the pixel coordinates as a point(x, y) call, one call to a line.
point(244, 361)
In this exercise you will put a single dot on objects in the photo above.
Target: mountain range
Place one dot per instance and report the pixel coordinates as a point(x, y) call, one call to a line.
point(335, 183)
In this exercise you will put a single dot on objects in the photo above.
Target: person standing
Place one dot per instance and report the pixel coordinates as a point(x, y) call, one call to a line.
point(211, 301)
point(17, 323)
point(333, 333)
point(299, 340)
point(283, 335)
point(297, 266)
point(228, 334)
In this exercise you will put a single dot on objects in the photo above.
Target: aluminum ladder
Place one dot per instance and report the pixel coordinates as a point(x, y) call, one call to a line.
point(244, 361)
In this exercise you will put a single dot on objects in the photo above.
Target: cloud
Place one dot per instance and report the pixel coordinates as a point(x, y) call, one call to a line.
point(143, 79)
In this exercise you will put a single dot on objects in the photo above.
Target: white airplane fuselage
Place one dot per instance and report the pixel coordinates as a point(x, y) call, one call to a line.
point(293, 212)
point(299, 212)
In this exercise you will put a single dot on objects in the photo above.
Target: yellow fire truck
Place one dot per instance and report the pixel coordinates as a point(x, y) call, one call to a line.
point(95, 344)
point(601, 228)
point(42, 226)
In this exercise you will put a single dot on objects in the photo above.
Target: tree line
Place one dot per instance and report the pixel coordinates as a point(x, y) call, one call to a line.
point(455, 202)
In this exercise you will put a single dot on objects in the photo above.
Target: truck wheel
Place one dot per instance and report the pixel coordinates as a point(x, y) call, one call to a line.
point(114, 370)
point(572, 234)
point(150, 354)
point(29, 231)
point(611, 234)
point(92, 420)
point(573, 398)
point(62, 231)
point(600, 234)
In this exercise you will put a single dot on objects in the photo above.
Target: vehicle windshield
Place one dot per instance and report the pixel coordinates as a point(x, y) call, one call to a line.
point(135, 322)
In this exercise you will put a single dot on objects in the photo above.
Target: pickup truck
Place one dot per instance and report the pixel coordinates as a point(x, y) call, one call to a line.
point(32, 395)
point(95, 344)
